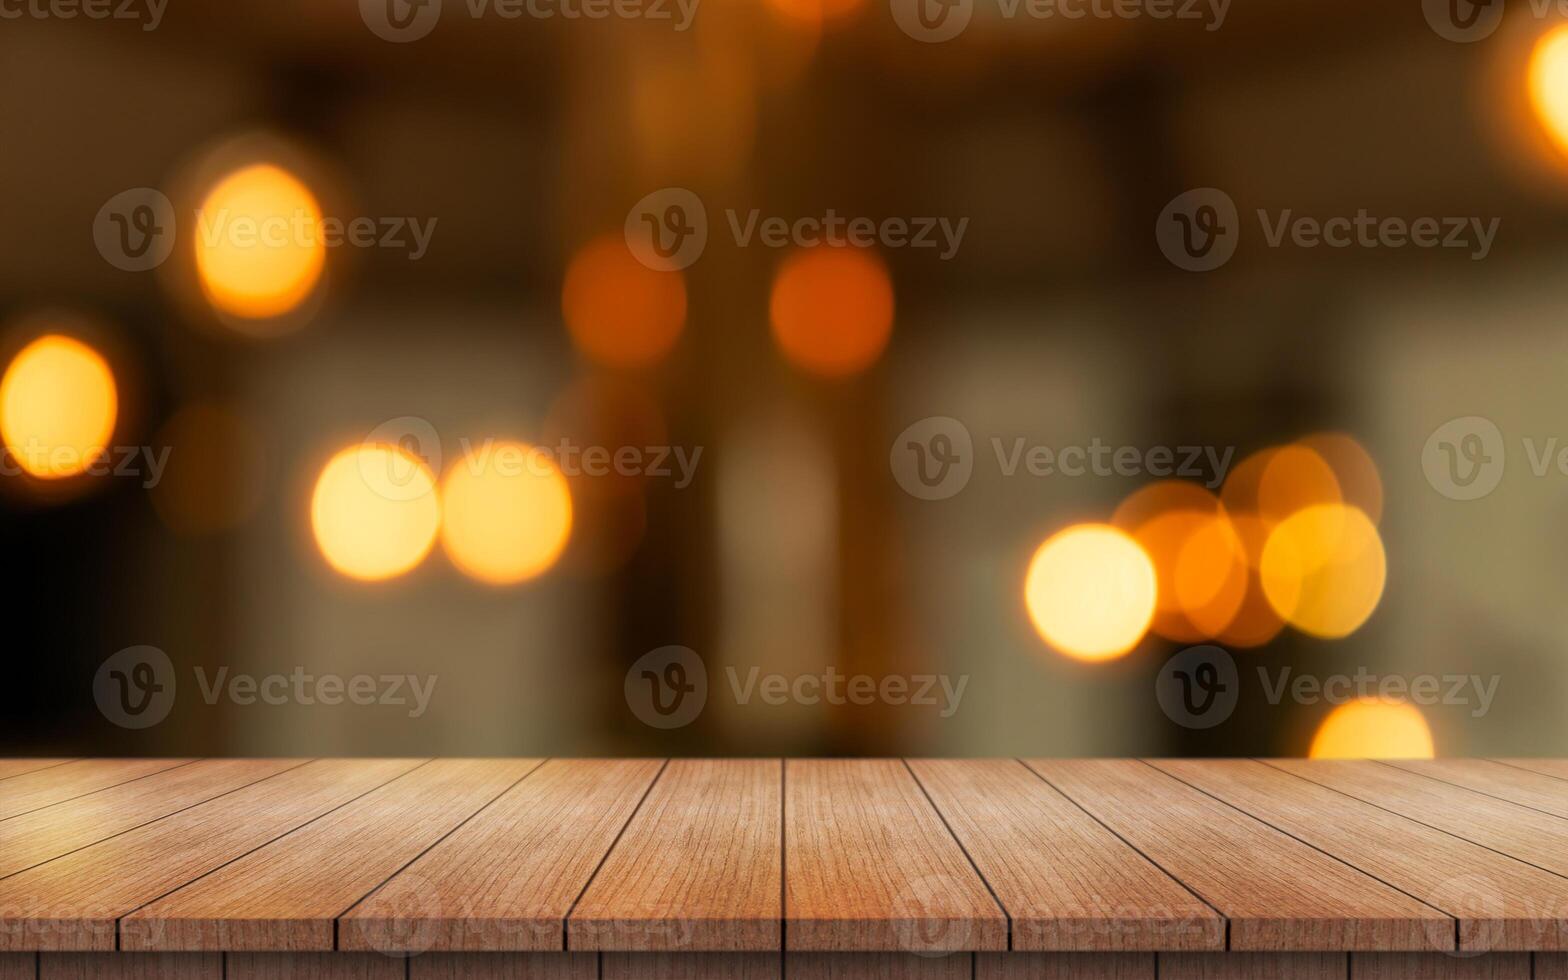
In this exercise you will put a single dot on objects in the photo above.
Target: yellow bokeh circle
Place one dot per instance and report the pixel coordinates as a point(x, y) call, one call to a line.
point(1323, 569)
point(1370, 728)
point(58, 405)
point(508, 513)
point(374, 511)
point(1090, 592)
point(259, 242)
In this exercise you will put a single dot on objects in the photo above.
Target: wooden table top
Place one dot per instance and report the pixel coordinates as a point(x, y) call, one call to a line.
point(767, 855)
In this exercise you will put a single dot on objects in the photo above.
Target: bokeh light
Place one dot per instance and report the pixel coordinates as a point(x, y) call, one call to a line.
point(816, 13)
point(507, 513)
point(58, 406)
point(1548, 85)
point(1371, 728)
point(259, 245)
point(1090, 592)
point(374, 511)
point(1255, 622)
point(1323, 569)
point(1295, 477)
point(619, 312)
point(832, 309)
point(1199, 562)
point(1355, 472)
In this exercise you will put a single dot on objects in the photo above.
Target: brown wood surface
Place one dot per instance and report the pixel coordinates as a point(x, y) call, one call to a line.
point(869, 865)
point(16, 767)
point(73, 902)
point(1066, 881)
point(1439, 966)
point(1522, 786)
point(691, 966)
point(1551, 966)
point(39, 836)
point(1546, 767)
point(699, 868)
point(1531, 836)
point(506, 879)
point(1064, 966)
point(44, 787)
point(312, 966)
point(1500, 902)
point(287, 895)
point(18, 966)
point(878, 966)
point(504, 966)
point(1278, 893)
point(1254, 966)
point(130, 966)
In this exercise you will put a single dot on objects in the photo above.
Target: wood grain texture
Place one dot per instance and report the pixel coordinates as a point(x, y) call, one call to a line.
point(1546, 767)
point(1498, 900)
point(1278, 893)
point(1551, 966)
point(879, 966)
point(1254, 966)
point(73, 902)
point(1064, 966)
point(18, 966)
point(312, 966)
point(42, 835)
point(1518, 831)
point(1066, 881)
point(699, 868)
point(506, 879)
point(287, 895)
point(44, 787)
point(504, 966)
point(692, 966)
point(1522, 786)
point(16, 767)
point(130, 966)
point(869, 865)
point(1439, 966)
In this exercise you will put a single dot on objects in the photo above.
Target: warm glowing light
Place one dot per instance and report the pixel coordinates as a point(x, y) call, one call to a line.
point(508, 513)
point(259, 245)
point(1369, 728)
point(1090, 591)
point(1323, 569)
point(1354, 470)
point(1295, 477)
point(374, 511)
point(1548, 85)
point(832, 309)
point(620, 312)
point(1198, 557)
point(1255, 622)
point(58, 404)
point(816, 12)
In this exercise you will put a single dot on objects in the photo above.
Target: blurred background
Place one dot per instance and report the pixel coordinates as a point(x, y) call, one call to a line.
point(470, 419)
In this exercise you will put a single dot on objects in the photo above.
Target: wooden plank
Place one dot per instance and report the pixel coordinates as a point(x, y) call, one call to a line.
point(288, 894)
point(18, 966)
point(312, 966)
point(1254, 966)
point(1439, 966)
point(73, 902)
point(1551, 966)
point(43, 835)
point(504, 966)
point(693, 966)
point(869, 865)
point(1501, 903)
point(1518, 831)
point(699, 868)
point(879, 966)
point(17, 767)
point(1066, 881)
point(130, 966)
point(1520, 786)
point(1546, 767)
point(56, 784)
point(1279, 894)
point(507, 879)
point(1064, 966)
